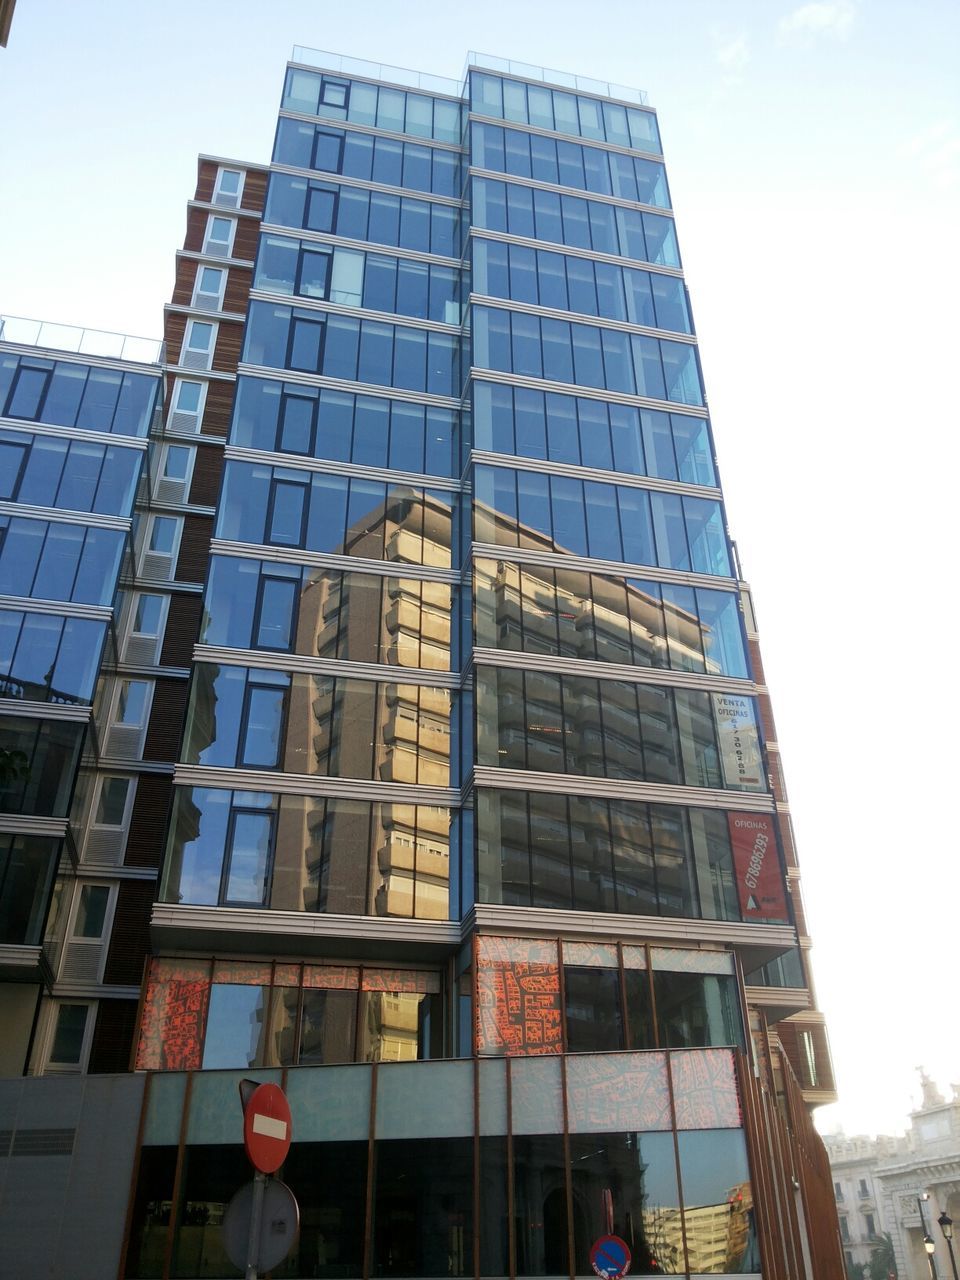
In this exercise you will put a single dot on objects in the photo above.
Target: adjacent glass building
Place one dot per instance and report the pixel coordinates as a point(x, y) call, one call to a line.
point(476, 835)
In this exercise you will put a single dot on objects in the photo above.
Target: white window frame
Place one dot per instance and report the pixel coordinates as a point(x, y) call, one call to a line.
point(204, 300)
point(195, 414)
point(67, 1068)
point(144, 720)
point(229, 199)
point(221, 248)
point(124, 822)
point(191, 460)
point(152, 524)
point(199, 357)
point(130, 622)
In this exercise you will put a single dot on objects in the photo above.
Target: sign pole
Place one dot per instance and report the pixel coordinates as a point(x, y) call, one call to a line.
point(256, 1217)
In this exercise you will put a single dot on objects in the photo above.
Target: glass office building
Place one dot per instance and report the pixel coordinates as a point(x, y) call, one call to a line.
point(477, 839)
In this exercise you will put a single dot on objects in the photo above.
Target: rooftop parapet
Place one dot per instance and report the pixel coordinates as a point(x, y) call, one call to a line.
point(85, 342)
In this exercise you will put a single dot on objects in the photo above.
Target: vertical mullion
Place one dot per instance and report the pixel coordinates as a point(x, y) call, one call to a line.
point(371, 1169)
point(567, 1171)
point(177, 1178)
point(667, 1058)
point(511, 1180)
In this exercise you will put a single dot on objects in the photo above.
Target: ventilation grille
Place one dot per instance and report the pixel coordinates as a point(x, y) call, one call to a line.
point(194, 359)
point(125, 741)
point(81, 961)
point(216, 249)
point(207, 302)
point(157, 565)
point(43, 1142)
point(104, 846)
point(141, 651)
point(180, 421)
point(227, 199)
point(171, 490)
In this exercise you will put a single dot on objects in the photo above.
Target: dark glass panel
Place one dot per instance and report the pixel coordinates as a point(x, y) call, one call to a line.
point(626, 1184)
point(540, 1205)
point(639, 1009)
point(593, 1017)
point(697, 1009)
point(716, 1182)
point(423, 1208)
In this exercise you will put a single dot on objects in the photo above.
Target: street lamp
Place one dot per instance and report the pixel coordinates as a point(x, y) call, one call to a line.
point(945, 1223)
point(929, 1243)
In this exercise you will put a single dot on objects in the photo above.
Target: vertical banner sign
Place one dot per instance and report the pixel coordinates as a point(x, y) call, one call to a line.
point(757, 867)
point(740, 756)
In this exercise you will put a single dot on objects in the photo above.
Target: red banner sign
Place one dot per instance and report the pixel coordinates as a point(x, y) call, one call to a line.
point(757, 867)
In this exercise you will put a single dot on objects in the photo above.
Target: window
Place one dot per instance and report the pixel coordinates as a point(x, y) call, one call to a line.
point(91, 914)
point(198, 344)
point(334, 93)
point(863, 1189)
point(218, 240)
point(209, 287)
point(145, 630)
point(112, 804)
point(176, 467)
point(228, 187)
point(186, 412)
point(838, 1193)
point(71, 1031)
point(844, 1230)
point(869, 1225)
point(132, 702)
point(163, 534)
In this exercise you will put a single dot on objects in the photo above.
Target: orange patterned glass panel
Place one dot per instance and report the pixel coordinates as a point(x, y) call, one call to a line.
point(687, 960)
point(174, 1012)
point(518, 989)
point(705, 1093)
point(597, 955)
point(286, 975)
point(617, 1092)
point(410, 981)
point(331, 977)
point(242, 973)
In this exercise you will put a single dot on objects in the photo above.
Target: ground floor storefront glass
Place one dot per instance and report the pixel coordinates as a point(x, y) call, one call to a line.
point(470, 1167)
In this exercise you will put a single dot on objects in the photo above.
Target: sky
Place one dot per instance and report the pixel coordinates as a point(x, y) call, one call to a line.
point(813, 152)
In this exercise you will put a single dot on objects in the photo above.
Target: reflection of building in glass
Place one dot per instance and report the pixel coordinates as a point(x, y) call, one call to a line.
point(461, 757)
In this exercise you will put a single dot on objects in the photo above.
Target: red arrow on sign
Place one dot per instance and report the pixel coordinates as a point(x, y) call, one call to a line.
point(267, 1128)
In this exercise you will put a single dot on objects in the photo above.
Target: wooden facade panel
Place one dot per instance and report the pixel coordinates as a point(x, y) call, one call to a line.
point(185, 280)
point(756, 662)
point(113, 1037)
point(217, 409)
point(145, 839)
point(206, 180)
point(174, 328)
point(226, 355)
point(180, 635)
point(207, 469)
point(194, 549)
point(237, 292)
point(245, 240)
point(130, 940)
point(166, 720)
point(196, 230)
point(255, 190)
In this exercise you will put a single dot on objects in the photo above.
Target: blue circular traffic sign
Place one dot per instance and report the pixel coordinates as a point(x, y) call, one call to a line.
point(610, 1258)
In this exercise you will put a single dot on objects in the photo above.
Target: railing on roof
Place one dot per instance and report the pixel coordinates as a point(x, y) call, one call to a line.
point(340, 64)
point(527, 71)
point(84, 342)
point(344, 66)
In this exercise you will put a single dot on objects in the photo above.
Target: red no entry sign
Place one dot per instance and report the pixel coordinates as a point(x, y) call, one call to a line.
point(267, 1129)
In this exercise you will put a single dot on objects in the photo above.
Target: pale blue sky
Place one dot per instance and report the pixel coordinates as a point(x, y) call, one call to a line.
point(813, 151)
